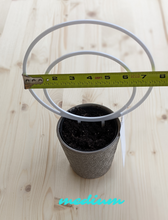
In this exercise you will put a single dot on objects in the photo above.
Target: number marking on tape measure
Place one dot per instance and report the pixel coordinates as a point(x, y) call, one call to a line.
point(117, 79)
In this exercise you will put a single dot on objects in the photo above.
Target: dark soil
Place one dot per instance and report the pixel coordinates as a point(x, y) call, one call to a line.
point(88, 136)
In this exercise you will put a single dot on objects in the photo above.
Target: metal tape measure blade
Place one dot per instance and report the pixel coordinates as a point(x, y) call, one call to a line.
point(91, 80)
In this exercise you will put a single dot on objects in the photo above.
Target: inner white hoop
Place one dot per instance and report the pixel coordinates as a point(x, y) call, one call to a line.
point(72, 116)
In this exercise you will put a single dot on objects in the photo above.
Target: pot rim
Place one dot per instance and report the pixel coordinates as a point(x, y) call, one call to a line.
point(88, 152)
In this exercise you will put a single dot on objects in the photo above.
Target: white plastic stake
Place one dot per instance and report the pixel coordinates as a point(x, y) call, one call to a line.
point(123, 142)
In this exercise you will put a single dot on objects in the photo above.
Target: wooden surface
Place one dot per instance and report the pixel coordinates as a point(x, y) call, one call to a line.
point(34, 172)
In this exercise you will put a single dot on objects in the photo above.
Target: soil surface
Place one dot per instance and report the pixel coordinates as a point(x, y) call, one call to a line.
point(88, 136)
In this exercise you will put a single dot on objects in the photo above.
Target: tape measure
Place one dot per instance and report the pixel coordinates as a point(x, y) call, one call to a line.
point(91, 80)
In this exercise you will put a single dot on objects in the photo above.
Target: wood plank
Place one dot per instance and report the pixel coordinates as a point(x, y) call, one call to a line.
point(5, 5)
point(34, 171)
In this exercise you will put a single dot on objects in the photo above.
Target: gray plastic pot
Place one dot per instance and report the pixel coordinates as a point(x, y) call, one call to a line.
point(90, 164)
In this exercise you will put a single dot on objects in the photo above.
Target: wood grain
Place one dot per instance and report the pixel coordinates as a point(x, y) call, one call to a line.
point(34, 171)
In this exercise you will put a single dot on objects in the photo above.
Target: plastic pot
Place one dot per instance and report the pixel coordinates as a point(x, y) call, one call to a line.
point(90, 164)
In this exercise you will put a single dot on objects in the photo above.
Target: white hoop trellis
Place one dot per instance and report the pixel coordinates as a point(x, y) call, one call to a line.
point(66, 114)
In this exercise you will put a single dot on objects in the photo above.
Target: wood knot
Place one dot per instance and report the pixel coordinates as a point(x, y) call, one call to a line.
point(132, 153)
point(25, 107)
point(61, 207)
point(93, 46)
point(19, 64)
point(140, 52)
point(60, 104)
point(28, 188)
point(164, 117)
point(84, 101)
point(126, 54)
point(104, 44)
point(115, 104)
point(91, 13)
point(154, 152)
point(13, 111)
point(125, 37)
point(46, 60)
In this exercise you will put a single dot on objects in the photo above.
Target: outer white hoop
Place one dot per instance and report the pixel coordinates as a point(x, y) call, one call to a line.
point(80, 118)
